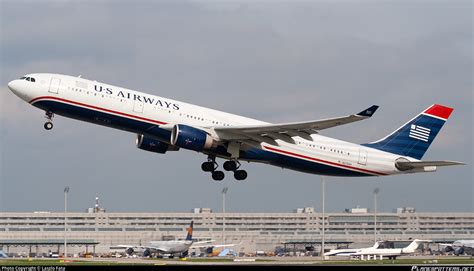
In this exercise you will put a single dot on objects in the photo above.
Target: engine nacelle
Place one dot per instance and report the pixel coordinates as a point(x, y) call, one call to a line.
point(459, 251)
point(129, 251)
point(191, 138)
point(153, 145)
point(146, 253)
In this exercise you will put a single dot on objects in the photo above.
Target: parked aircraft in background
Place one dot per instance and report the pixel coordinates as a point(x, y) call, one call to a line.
point(377, 252)
point(460, 247)
point(163, 124)
point(171, 248)
point(3, 255)
point(348, 251)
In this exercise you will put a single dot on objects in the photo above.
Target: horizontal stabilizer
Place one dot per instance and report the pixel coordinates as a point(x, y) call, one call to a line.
point(408, 165)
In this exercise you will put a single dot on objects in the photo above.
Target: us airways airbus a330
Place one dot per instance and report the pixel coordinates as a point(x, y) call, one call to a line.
point(163, 124)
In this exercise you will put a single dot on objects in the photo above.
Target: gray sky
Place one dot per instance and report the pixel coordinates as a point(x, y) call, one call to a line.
point(272, 60)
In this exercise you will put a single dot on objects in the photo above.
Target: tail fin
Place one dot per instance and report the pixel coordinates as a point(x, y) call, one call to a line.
point(189, 236)
point(414, 245)
point(414, 138)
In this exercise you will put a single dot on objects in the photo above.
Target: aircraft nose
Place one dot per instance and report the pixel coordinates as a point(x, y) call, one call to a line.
point(13, 86)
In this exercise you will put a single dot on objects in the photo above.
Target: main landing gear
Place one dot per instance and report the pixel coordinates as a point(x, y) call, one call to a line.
point(49, 124)
point(211, 166)
point(234, 165)
point(217, 175)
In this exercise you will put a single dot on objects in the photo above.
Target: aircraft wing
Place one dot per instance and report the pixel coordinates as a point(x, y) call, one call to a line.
point(201, 244)
point(128, 246)
point(227, 245)
point(409, 165)
point(154, 248)
point(285, 131)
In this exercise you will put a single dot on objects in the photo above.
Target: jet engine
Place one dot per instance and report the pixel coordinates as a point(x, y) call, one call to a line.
point(191, 138)
point(153, 145)
point(459, 251)
point(129, 251)
point(184, 254)
point(146, 253)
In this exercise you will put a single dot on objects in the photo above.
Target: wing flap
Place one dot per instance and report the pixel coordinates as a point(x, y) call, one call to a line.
point(284, 131)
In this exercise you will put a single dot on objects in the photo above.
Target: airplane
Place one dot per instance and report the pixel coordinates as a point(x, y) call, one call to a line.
point(3, 255)
point(460, 247)
point(349, 251)
point(375, 250)
point(163, 125)
point(172, 247)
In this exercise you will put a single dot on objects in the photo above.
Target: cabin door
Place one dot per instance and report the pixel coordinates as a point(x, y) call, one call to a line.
point(54, 85)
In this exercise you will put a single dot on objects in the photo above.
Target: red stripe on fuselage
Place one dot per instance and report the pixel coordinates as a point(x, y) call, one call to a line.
point(324, 161)
point(95, 107)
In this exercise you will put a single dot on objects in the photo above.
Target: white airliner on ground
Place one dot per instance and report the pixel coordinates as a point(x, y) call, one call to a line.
point(164, 124)
point(460, 247)
point(375, 251)
point(172, 247)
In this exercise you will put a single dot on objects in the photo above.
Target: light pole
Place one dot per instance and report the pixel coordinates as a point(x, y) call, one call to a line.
point(323, 199)
point(66, 190)
point(224, 192)
point(376, 191)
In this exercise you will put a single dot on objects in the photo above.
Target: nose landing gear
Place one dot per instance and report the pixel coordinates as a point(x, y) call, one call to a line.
point(49, 124)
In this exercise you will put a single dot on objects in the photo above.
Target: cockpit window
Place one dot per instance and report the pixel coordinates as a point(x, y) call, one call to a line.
point(31, 79)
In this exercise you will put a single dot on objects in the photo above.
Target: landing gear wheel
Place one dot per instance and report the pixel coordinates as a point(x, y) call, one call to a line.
point(218, 175)
point(49, 116)
point(48, 125)
point(231, 165)
point(240, 175)
point(208, 166)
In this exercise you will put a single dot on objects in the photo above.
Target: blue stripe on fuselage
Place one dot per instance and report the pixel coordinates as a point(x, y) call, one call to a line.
point(153, 130)
point(105, 119)
point(298, 164)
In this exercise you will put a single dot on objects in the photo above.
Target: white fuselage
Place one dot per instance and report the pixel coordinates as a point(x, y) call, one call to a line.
point(178, 246)
point(139, 112)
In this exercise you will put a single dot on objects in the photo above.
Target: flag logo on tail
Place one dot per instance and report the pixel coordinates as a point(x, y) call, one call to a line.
point(419, 132)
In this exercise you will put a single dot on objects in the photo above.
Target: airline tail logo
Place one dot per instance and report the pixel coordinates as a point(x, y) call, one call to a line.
point(190, 231)
point(419, 132)
point(415, 136)
point(189, 236)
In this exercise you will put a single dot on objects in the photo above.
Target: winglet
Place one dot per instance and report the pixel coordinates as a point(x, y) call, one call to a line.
point(368, 112)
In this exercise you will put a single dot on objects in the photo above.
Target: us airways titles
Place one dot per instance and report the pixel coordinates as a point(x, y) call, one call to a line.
point(137, 97)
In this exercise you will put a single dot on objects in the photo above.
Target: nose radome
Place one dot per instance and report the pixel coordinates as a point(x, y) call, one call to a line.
point(12, 85)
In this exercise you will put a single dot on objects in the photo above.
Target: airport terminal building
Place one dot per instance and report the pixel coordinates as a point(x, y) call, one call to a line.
point(97, 231)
